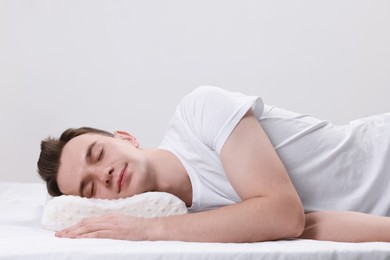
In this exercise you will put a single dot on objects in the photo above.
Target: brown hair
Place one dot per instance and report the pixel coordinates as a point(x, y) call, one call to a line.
point(51, 150)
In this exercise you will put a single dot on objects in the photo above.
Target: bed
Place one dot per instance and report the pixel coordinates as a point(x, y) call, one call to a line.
point(22, 237)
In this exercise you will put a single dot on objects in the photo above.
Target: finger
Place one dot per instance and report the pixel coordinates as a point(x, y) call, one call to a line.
point(65, 231)
point(84, 226)
point(99, 234)
point(94, 224)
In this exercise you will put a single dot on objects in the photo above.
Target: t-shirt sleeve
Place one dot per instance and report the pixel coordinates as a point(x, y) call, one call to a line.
point(212, 113)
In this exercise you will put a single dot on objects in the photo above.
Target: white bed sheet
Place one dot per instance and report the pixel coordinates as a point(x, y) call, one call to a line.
point(21, 237)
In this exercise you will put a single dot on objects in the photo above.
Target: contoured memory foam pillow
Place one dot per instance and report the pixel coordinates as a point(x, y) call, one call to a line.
point(63, 211)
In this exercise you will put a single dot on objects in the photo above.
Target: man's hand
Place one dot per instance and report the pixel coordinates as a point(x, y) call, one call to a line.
point(114, 226)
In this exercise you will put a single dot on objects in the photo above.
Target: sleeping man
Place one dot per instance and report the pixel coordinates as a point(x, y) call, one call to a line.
point(246, 171)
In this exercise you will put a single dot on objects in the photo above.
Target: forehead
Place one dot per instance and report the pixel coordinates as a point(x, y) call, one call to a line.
point(82, 140)
point(77, 147)
point(72, 161)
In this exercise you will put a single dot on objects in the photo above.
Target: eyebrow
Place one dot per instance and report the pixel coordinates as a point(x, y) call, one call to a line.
point(89, 152)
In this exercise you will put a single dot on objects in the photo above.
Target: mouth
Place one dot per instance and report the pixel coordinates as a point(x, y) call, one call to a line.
point(121, 178)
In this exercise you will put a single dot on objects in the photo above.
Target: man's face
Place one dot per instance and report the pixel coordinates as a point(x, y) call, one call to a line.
point(98, 166)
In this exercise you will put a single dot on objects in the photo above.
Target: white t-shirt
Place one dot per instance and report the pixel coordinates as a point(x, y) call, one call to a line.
point(332, 167)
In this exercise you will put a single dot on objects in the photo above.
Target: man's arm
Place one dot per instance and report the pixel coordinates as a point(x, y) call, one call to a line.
point(270, 207)
point(346, 226)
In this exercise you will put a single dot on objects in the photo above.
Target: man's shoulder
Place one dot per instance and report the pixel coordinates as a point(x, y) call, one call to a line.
point(200, 96)
point(202, 92)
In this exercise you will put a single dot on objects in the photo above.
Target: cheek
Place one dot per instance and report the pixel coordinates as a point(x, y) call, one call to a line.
point(125, 150)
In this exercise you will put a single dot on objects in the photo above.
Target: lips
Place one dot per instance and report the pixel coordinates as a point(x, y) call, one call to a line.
point(121, 178)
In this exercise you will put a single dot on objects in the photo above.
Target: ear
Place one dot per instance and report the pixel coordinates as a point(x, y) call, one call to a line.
point(126, 136)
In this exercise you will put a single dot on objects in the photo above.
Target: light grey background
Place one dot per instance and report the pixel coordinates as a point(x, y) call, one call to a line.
point(125, 64)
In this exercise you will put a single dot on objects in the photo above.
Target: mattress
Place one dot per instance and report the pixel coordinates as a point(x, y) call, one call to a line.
point(22, 237)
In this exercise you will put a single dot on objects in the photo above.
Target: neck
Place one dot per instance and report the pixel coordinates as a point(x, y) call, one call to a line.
point(169, 174)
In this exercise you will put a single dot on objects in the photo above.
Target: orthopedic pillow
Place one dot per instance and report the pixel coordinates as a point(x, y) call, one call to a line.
point(63, 211)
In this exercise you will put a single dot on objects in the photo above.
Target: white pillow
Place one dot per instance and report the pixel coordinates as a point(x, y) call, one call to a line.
point(63, 211)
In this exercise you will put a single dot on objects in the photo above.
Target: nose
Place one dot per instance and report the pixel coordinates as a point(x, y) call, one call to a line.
point(107, 175)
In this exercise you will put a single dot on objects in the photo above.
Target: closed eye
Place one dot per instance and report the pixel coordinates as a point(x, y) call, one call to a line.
point(92, 189)
point(101, 154)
